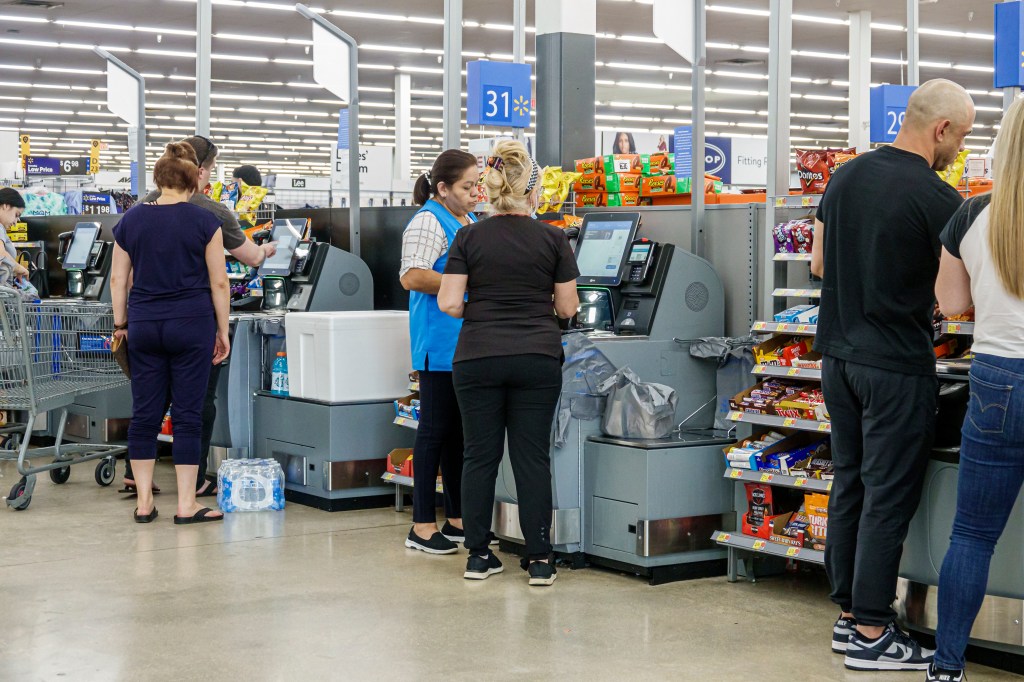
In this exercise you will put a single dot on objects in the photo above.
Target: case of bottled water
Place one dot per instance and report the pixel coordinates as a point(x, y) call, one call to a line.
point(250, 485)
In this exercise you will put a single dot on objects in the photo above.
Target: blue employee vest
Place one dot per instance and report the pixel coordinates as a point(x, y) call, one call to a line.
point(433, 333)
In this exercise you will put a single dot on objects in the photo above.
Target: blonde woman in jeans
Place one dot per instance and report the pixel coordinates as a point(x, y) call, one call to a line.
point(983, 265)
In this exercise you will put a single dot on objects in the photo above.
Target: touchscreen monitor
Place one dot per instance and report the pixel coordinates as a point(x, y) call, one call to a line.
point(603, 246)
point(80, 250)
point(280, 263)
point(295, 227)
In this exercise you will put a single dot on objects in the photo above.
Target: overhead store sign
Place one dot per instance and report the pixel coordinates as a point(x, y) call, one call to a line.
point(673, 25)
point(1009, 45)
point(736, 160)
point(45, 165)
point(376, 168)
point(331, 63)
point(888, 109)
point(123, 95)
point(498, 94)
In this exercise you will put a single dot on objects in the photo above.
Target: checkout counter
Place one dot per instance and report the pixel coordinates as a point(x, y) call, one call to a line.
point(642, 506)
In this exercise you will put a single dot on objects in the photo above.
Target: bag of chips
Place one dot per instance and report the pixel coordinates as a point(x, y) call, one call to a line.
point(816, 508)
point(955, 172)
point(250, 200)
point(812, 167)
point(213, 190)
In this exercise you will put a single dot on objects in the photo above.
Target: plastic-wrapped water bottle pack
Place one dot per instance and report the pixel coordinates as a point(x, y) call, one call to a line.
point(250, 485)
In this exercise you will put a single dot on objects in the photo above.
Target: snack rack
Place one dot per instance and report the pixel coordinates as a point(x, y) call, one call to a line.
point(403, 483)
point(777, 265)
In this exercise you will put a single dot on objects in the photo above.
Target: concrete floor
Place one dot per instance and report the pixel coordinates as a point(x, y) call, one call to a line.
point(307, 595)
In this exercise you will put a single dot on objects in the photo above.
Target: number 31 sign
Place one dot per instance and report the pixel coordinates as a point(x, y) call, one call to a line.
point(888, 109)
point(498, 94)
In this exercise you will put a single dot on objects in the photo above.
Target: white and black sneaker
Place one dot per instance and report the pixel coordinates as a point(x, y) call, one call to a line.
point(841, 632)
point(437, 544)
point(452, 533)
point(542, 573)
point(940, 675)
point(482, 567)
point(894, 650)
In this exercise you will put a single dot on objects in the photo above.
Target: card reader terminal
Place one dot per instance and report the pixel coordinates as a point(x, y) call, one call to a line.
point(641, 255)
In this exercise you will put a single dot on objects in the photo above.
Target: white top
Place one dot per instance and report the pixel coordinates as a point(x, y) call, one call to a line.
point(423, 242)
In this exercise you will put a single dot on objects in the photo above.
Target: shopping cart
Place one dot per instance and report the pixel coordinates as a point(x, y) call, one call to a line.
point(51, 353)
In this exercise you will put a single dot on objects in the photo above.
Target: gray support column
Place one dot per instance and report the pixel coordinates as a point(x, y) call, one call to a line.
point(913, 43)
point(780, 66)
point(204, 29)
point(403, 123)
point(860, 80)
point(698, 80)
point(566, 51)
point(519, 42)
point(452, 126)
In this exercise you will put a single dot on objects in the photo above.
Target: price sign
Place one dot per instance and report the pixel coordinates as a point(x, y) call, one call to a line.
point(825, 426)
point(954, 328)
point(735, 473)
point(793, 551)
point(758, 545)
point(800, 482)
point(828, 488)
point(788, 422)
point(498, 94)
point(765, 478)
point(780, 202)
point(758, 326)
point(94, 156)
point(888, 109)
point(801, 328)
point(722, 537)
point(793, 372)
point(805, 202)
point(46, 165)
point(735, 416)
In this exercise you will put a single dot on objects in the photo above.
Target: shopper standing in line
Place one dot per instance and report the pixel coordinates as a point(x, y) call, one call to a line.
point(176, 322)
point(448, 195)
point(11, 206)
point(242, 248)
point(983, 265)
point(876, 245)
point(520, 274)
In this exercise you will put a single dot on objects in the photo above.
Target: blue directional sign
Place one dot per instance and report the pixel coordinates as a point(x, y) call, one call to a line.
point(1009, 45)
point(498, 94)
point(888, 109)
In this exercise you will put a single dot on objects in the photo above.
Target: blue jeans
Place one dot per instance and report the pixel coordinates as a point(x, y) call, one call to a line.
point(991, 474)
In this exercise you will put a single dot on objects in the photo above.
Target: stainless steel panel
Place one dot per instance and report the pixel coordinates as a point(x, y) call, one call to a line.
point(657, 537)
point(363, 473)
point(1000, 621)
point(565, 524)
point(218, 454)
point(115, 429)
point(78, 425)
point(294, 467)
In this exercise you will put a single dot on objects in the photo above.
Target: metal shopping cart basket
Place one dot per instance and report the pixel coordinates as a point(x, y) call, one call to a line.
point(51, 353)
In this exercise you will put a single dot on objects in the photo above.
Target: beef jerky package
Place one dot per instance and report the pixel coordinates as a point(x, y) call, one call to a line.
point(759, 510)
point(812, 165)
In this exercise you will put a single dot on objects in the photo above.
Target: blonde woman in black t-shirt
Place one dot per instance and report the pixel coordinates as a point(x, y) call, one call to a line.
point(519, 274)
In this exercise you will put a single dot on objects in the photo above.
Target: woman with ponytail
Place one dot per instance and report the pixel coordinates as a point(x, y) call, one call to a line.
point(448, 194)
point(520, 274)
point(176, 324)
point(983, 264)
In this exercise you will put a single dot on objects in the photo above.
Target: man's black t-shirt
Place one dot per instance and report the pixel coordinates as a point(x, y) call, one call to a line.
point(883, 213)
point(513, 264)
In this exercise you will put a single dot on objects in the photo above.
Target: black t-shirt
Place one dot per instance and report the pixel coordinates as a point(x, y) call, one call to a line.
point(960, 224)
point(883, 213)
point(513, 264)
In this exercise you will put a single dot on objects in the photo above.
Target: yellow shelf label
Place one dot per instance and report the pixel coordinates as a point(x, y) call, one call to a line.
point(788, 422)
point(759, 325)
point(781, 201)
point(758, 545)
point(759, 368)
point(801, 327)
point(954, 328)
point(735, 416)
point(722, 537)
point(825, 426)
point(736, 473)
point(793, 551)
point(800, 482)
point(806, 201)
point(765, 478)
point(793, 372)
point(828, 488)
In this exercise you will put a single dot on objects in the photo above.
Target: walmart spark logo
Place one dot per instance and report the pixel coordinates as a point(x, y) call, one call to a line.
point(521, 106)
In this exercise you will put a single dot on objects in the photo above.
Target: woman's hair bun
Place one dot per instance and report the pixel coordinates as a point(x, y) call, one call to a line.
point(180, 150)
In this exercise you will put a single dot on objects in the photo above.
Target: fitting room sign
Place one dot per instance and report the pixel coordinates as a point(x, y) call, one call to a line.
point(376, 168)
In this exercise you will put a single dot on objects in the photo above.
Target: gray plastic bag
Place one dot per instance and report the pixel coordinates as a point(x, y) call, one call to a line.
point(637, 409)
point(735, 363)
point(584, 369)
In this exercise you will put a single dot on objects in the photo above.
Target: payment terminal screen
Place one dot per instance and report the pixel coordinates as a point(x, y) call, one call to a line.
point(602, 248)
point(77, 257)
point(281, 262)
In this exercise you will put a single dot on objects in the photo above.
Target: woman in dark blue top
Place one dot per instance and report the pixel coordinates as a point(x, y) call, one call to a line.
point(170, 254)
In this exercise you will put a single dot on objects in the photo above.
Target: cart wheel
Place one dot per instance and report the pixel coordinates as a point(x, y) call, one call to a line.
point(105, 472)
point(61, 475)
point(16, 499)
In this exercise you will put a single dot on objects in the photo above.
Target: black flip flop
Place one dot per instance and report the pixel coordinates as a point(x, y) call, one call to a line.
point(145, 518)
point(201, 516)
point(132, 490)
point(211, 491)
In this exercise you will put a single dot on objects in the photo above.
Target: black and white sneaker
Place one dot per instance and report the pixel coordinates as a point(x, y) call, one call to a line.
point(437, 544)
point(482, 567)
point(894, 650)
point(542, 573)
point(939, 675)
point(452, 533)
point(841, 632)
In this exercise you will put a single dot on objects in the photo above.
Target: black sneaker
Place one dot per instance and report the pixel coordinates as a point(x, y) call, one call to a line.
point(542, 573)
point(940, 675)
point(452, 533)
point(482, 567)
point(437, 544)
point(841, 632)
point(894, 650)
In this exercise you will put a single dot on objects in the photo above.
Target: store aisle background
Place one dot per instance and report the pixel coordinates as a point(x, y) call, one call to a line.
point(304, 595)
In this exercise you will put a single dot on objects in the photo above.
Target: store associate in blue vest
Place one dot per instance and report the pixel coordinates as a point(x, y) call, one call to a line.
point(448, 194)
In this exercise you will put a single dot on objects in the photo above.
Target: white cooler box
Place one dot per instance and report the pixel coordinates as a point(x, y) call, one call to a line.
point(348, 356)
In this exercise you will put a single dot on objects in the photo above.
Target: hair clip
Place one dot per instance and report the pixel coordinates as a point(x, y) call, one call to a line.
point(426, 174)
point(495, 162)
point(534, 176)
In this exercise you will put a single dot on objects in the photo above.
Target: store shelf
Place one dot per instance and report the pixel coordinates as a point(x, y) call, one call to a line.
point(787, 372)
point(29, 245)
point(793, 257)
point(781, 422)
point(961, 328)
point(164, 438)
point(237, 277)
point(407, 423)
point(798, 482)
point(776, 327)
point(745, 542)
point(797, 293)
point(796, 200)
point(405, 481)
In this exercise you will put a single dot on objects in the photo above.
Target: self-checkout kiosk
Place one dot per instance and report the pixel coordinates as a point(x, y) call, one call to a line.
point(644, 506)
point(303, 276)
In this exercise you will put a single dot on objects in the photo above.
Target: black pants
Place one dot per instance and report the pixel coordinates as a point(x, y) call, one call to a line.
point(882, 428)
point(209, 417)
point(438, 442)
point(516, 395)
